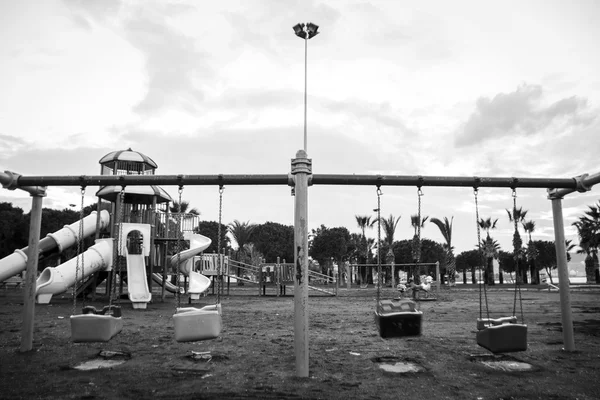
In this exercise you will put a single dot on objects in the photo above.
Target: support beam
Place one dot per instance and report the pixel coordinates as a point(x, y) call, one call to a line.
point(563, 275)
point(301, 169)
point(31, 273)
point(583, 183)
point(319, 179)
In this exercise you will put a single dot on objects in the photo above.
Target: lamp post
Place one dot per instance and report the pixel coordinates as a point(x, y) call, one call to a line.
point(306, 31)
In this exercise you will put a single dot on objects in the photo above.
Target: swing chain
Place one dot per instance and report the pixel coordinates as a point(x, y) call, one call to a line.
point(481, 256)
point(219, 277)
point(79, 253)
point(419, 195)
point(179, 235)
point(379, 193)
point(120, 251)
point(517, 264)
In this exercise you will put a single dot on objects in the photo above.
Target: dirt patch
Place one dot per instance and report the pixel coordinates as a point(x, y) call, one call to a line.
point(254, 357)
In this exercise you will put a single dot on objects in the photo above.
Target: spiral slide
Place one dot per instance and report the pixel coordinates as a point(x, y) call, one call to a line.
point(16, 262)
point(198, 283)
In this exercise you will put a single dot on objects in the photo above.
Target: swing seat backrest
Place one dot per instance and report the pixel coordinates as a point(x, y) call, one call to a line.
point(94, 327)
point(505, 338)
point(483, 323)
point(194, 324)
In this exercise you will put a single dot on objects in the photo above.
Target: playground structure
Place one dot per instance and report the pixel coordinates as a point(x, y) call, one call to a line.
point(300, 178)
point(138, 218)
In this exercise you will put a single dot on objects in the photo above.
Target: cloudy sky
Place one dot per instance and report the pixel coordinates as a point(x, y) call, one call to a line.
point(461, 88)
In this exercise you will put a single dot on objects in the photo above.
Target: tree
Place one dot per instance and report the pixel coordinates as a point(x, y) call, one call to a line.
point(210, 229)
point(364, 222)
point(490, 250)
point(532, 252)
point(330, 244)
point(588, 227)
point(517, 216)
point(418, 223)
point(546, 256)
point(468, 260)
point(274, 240)
point(431, 252)
point(507, 263)
point(14, 231)
point(183, 207)
point(445, 228)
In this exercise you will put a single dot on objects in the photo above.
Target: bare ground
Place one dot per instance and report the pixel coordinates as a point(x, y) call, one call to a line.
point(254, 357)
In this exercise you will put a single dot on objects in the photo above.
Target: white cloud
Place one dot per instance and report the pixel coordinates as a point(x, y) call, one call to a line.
point(520, 113)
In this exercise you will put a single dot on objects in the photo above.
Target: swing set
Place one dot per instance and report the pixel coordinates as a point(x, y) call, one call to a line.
point(300, 179)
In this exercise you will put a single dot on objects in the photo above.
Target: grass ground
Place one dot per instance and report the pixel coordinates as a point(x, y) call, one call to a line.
point(254, 357)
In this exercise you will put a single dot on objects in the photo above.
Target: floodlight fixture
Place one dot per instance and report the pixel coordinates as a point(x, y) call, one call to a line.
point(299, 31)
point(312, 30)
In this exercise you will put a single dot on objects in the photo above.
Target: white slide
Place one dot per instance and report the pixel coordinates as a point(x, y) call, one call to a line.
point(16, 262)
point(55, 280)
point(198, 283)
point(137, 284)
point(156, 277)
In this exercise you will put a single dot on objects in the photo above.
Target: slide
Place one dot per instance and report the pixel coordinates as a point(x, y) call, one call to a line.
point(55, 280)
point(16, 262)
point(137, 284)
point(156, 277)
point(198, 283)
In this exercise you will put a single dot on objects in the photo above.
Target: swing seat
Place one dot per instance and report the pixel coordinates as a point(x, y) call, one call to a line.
point(505, 338)
point(398, 318)
point(483, 323)
point(92, 327)
point(193, 324)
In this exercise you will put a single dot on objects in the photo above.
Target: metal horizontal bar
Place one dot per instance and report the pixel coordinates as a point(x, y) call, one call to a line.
point(317, 179)
point(418, 180)
point(140, 180)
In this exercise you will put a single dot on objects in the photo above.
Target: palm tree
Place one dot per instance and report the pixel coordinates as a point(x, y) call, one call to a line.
point(183, 207)
point(516, 216)
point(242, 234)
point(389, 226)
point(587, 245)
point(491, 249)
point(364, 222)
point(487, 225)
point(592, 218)
point(417, 223)
point(532, 253)
point(569, 246)
point(445, 228)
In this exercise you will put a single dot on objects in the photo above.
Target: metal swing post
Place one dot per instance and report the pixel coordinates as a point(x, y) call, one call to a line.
point(300, 177)
point(31, 271)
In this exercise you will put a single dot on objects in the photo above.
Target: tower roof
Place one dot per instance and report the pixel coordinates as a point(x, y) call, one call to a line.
point(135, 194)
point(129, 156)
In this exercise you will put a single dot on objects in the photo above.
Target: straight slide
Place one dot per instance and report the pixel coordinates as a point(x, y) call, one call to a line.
point(137, 284)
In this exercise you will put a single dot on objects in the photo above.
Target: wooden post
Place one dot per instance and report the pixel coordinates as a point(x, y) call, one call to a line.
point(31, 272)
point(301, 169)
point(437, 274)
point(348, 275)
point(277, 276)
